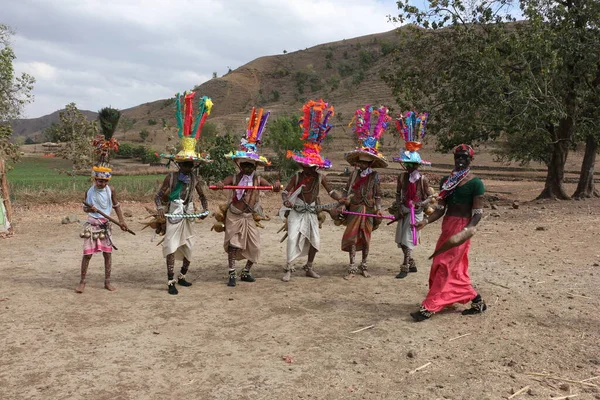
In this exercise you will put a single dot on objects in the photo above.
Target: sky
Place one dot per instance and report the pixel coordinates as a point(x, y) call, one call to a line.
point(123, 53)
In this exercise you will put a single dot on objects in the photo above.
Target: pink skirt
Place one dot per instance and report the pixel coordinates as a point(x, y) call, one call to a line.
point(449, 280)
point(92, 246)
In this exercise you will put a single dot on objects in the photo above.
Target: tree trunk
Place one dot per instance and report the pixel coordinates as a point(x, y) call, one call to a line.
point(585, 187)
point(5, 195)
point(554, 188)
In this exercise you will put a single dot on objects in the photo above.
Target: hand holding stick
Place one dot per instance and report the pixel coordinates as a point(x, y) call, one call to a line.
point(114, 221)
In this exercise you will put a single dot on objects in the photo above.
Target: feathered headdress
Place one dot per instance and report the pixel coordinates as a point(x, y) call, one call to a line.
point(105, 142)
point(189, 128)
point(370, 124)
point(248, 149)
point(315, 128)
point(411, 127)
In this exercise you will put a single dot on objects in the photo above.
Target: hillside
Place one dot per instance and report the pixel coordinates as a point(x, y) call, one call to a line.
point(33, 127)
point(345, 73)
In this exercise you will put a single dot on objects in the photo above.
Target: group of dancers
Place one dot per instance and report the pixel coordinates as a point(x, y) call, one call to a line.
point(358, 206)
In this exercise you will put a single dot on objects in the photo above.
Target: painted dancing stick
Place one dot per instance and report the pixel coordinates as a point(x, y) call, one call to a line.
point(114, 221)
point(368, 215)
point(197, 215)
point(215, 187)
point(412, 222)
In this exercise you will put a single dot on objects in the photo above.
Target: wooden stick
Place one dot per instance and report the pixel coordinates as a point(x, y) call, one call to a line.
point(578, 295)
point(420, 368)
point(363, 329)
point(496, 284)
point(569, 396)
point(556, 378)
point(114, 221)
point(590, 379)
point(518, 392)
point(458, 337)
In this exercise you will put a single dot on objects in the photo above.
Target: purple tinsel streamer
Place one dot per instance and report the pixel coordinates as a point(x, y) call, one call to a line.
point(261, 127)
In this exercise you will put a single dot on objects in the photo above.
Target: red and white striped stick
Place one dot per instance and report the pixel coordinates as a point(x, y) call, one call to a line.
point(215, 187)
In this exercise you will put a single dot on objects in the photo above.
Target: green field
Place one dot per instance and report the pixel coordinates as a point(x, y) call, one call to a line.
point(41, 176)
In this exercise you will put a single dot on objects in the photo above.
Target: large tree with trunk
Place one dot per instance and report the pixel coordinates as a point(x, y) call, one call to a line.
point(529, 85)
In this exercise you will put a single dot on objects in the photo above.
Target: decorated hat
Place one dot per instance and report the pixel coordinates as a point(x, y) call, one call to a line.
point(315, 128)
point(105, 142)
point(189, 128)
point(368, 138)
point(411, 127)
point(248, 150)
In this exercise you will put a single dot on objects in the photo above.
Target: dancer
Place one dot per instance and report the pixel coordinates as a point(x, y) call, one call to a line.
point(97, 233)
point(301, 195)
point(412, 188)
point(461, 205)
point(243, 210)
point(176, 194)
point(363, 189)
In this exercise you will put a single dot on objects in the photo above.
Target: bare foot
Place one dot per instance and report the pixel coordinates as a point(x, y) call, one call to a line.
point(365, 273)
point(108, 286)
point(80, 288)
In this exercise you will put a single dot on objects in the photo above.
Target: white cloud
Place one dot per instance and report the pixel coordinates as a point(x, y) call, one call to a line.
point(124, 53)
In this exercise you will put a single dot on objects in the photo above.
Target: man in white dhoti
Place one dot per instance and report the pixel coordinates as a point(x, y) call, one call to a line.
point(301, 196)
point(176, 193)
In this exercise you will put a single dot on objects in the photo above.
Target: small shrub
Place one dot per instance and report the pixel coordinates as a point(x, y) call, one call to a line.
point(144, 134)
point(358, 77)
point(328, 64)
point(275, 95)
point(345, 69)
point(152, 121)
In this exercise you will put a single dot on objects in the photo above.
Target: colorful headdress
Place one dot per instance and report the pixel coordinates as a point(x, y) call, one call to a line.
point(248, 150)
point(464, 148)
point(188, 128)
point(411, 128)
point(369, 139)
point(105, 142)
point(315, 128)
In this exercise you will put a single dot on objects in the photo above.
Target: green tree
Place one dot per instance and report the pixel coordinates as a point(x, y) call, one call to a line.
point(220, 167)
point(524, 84)
point(284, 134)
point(126, 124)
point(15, 93)
point(76, 133)
point(144, 134)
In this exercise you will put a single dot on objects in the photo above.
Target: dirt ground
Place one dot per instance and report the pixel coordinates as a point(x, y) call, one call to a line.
point(538, 268)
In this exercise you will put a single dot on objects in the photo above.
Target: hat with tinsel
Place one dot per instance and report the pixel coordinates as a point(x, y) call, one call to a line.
point(248, 149)
point(369, 133)
point(315, 128)
point(105, 142)
point(190, 127)
point(411, 127)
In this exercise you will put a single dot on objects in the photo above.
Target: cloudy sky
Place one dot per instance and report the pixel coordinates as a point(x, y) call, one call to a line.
point(127, 52)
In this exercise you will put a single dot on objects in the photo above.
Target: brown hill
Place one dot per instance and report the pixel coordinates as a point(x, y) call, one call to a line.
point(345, 73)
point(33, 127)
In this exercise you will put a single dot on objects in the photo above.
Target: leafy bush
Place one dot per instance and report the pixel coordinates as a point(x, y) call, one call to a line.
point(387, 48)
point(365, 58)
point(144, 134)
point(152, 121)
point(149, 156)
point(333, 81)
point(358, 77)
point(125, 150)
point(284, 134)
point(345, 69)
point(275, 95)
point(220, 167)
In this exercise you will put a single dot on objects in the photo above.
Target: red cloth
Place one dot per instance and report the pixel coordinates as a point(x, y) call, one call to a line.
point(449, 280)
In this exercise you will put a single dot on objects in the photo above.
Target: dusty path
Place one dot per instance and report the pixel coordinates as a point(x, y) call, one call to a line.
point(271, 340)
